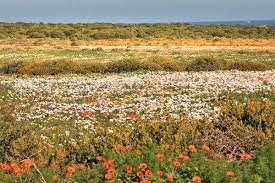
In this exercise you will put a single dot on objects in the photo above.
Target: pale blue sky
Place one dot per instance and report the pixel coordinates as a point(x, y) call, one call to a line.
point(135, 11)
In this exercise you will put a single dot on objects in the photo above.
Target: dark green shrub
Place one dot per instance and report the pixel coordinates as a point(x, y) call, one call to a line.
point(35, 34)
point(204, 64)
point(168, 64)
point(151, 66)
point(124, 66)
point(247, 66)
point(10, 67)
point(48, 67)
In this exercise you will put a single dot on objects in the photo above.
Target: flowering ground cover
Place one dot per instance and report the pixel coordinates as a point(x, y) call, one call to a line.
point(124, 97)
point(138, 127)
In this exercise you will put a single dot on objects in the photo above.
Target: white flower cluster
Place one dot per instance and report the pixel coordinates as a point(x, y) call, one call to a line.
point(117, 96)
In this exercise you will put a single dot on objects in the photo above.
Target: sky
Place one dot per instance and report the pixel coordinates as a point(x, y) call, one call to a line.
point(135, 11)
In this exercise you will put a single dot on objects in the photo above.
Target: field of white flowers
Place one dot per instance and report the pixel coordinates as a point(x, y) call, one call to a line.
point(124, 97)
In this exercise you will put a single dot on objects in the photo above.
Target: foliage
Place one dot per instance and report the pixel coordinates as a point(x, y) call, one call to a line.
point(248, 66)
point(69, 66)
point(132, 31)
point(204, 64)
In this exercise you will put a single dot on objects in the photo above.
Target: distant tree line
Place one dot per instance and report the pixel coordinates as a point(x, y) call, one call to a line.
point(82, 31)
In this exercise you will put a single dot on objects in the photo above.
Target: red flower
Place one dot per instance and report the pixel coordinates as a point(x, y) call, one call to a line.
point(27, 163)
point(192, 148)
point(100, 158)
point(206, 148)
point(229, 173)
point(196, 179)
point(159, 173)
point(148, 173)
point(128, 148)
point(170, 177)
point(143, 166)
point(139, 174)
point(129, 169)
point(138, 152)
point(108, 176)
point(244, 156)
point(84, 113)
point(160, 157)
point(176, 163)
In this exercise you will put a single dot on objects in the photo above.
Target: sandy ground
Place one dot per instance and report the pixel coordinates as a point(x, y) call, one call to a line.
point(185, 48)
point(143, 48)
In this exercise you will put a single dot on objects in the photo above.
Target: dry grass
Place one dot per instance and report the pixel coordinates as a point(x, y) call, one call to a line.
point(59, 44)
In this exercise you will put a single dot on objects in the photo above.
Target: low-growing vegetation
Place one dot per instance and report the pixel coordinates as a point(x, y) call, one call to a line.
point(138, 103)
point(67, 66)
point(236, 147)
point(121, 128)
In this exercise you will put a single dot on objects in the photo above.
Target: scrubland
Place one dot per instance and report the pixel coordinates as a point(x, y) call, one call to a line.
point(143, 103)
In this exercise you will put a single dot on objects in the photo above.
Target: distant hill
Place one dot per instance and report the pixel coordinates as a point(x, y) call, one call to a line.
point(247, 22)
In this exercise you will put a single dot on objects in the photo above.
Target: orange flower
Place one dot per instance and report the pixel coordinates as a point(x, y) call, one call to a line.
point(138, 152)
point(111, 171)
point(159, 173)
point(55, 178)
point(128, 148)
point(100, 158)
point(139, 174)
point(27, 163)
point(119, 147)
point(196, 179)
point(145, 181)
point(170, 177)
point(229, 156)
point(5, 167)
point(192, 148)
point(129, 169)
point(176, 163)
point(15, 168)
point(133, 116)
point(70, 171)
point(244, 156)
point(229, 173)
point(143, 166)
point(206, 148)
point(184, 157)
point(148, 173)
point(108, 164)
point(108, 176)
point(160, 157)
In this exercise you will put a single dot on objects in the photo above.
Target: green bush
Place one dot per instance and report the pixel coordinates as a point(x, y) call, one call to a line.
point(247, 66)
point(11, 67)
point(68, 66)
point(124, 66)
point(168, 64)
point(204, 64)
point(48, 67)
point(132, 31)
